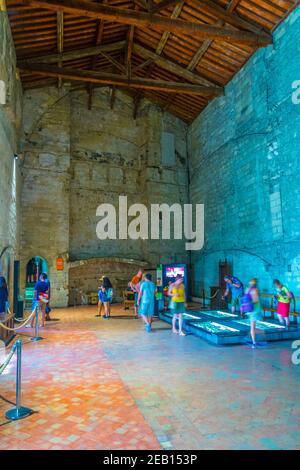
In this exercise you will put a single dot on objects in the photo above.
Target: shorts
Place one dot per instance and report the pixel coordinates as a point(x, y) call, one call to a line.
point(146, 309)
point(43, 298)
point(235, 301)
point(255, 315)
point(283, 309)
point(178, 308)
point(104, 299)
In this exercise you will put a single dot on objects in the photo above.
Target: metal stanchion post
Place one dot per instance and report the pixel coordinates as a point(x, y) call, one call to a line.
point(19, 411)
point(36, 337)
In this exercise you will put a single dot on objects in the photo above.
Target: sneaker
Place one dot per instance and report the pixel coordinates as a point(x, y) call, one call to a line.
point(105, 317)
point(182, 333)
point(254, 346)
point(148, 328)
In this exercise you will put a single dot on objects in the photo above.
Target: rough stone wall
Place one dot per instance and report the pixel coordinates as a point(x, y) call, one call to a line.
point(84, 276)
point(45, 191)
point(10, 124)
point(113, 155)
point(245, 166)
point(77, 159)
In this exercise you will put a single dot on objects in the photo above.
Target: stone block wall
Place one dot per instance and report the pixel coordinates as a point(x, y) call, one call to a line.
point(84, 276)
point(77, 159)
point(244, 157)
point(10, 126)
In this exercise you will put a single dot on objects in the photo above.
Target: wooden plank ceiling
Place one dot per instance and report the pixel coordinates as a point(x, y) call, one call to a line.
point(179, 54)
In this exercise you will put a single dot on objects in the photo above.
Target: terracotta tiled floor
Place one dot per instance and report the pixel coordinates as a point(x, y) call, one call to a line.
point(106, 384)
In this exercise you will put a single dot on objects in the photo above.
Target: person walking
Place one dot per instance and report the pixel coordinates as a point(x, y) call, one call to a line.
point(283, 296)
point(105, 296)
point(178, 304)
point(235, 286)
point(145, 301)
point(3, 297)
point(250, 305)
point(135, 285)
point(47, 307)
point(40, 298)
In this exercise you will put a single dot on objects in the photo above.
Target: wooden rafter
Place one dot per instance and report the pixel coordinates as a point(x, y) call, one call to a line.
point(227, 16)
point(143, 19)
point(171, 66)
point(159, 50)
point(114, 62)
point(60, 38)
point(164, 4)
point(207, 43)
point(99, 36)
point(76, 54)
point(152, 50)
point(129, 48)
point(90, 76)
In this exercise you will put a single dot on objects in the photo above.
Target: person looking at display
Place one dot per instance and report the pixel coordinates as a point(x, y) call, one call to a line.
point(178, 303)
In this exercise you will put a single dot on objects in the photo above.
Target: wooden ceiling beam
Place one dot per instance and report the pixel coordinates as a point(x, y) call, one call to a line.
point(171, 66)
point(142, 65)
point(232, 19)
point(72, 55)
point(207, 43)
point(146, 20)
point(98, 41)
point(129, 49)
point(159, 50)
point(114, 62)
point(163, 4)
point(90, 76)
point(60, 39)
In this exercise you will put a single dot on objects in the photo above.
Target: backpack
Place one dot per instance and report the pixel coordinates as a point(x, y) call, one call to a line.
point(109, 294)
point(246, 304)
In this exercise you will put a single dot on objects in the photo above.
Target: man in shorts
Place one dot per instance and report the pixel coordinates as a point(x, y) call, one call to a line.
point(235, 286)
point(145, 301)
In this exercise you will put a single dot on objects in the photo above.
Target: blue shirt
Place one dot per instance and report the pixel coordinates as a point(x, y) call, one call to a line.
point(147, 289)
point(235, 291)
point(3, 298)
point(41, 287)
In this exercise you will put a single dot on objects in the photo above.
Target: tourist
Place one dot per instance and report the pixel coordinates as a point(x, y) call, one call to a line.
point(145, 301)
point(3, 297)
point(178, 303)
point(135, 285)
point(105, 296)
point(250, 305)
point(41, 298)
point(283, 297)
point(47, 308)
point(235, 286)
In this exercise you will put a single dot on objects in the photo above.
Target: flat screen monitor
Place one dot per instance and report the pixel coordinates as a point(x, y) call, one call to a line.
point(172, 271)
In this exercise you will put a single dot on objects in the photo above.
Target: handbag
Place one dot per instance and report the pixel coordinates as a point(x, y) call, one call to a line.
point(246, 304)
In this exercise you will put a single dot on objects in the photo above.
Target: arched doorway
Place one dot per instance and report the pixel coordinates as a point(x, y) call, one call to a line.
point(34, 268)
